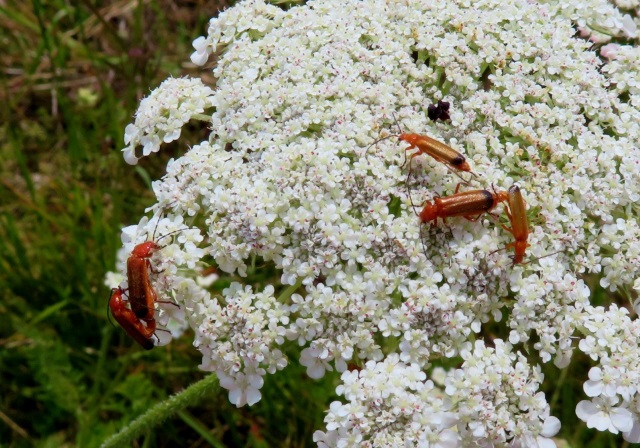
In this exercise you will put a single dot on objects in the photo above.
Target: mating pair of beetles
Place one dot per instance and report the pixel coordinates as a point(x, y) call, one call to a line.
point(138, 319)
point(469, 204)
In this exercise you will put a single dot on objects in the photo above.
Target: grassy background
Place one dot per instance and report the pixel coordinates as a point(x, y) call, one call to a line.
point(73, 73)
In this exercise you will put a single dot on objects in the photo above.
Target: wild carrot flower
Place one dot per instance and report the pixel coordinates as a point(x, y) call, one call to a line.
point(291, 177)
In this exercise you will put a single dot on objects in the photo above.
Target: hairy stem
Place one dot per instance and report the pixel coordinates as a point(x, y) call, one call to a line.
point(159, 413)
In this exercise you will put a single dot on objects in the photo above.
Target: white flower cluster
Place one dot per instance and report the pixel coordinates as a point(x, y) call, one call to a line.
point(290, 181)
point(624, 60)
point(600, 20)
point(491, 400)
point(162, 115)
point(389, 403)
point(238, 341)
point(611, 338)
point(495, 396)
point(246, 19)
point(628, 5)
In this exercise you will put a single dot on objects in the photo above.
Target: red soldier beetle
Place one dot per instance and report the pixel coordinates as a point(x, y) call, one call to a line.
point(131, 324)
point(452, 159)
point(517, 212)
point(468, 204)
point(142, 296)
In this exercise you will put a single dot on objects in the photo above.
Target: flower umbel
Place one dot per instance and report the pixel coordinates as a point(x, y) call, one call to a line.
point(290, 180)
point(162, 115)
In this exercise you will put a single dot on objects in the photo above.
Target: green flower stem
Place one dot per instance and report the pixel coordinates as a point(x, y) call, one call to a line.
point(556, 394)
point(290, 290)
point(159, 413)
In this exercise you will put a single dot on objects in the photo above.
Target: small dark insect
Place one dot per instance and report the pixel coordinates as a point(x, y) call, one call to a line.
point(439, 111)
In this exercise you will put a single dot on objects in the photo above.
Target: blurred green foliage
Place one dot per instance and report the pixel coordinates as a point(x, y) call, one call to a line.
point(72, 76)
